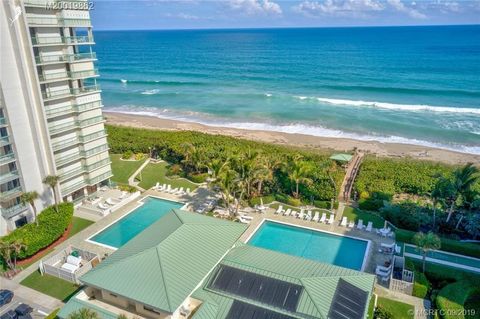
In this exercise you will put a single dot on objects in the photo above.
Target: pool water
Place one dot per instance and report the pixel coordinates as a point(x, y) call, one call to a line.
point(440, 256)
point(311, 244)
point(132, 224)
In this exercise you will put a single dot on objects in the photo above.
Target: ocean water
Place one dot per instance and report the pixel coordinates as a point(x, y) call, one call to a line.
point(416, 85)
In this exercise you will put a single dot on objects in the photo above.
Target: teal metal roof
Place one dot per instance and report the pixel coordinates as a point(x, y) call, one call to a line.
point(341, 157)
point(163, 265)
point(319, 280)
point(75, 304)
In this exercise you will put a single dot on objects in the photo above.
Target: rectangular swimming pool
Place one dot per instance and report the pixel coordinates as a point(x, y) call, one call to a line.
point(312, 244)
point(132, 224)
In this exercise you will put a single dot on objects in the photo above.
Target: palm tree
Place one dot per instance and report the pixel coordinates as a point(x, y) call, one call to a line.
point(425, 243)
point(265, 172)
point(298, 174)
point(29, 198)
point(215, 167)
point(226, 181)
point(84, 313)
point(460, 184)
point(52, 181)
point(6, 254)
point(17, 247)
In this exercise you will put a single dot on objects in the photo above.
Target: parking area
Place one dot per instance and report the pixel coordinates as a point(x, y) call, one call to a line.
point(39, 311)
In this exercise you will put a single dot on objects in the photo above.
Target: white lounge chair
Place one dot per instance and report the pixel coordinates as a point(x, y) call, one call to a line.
point(111, 202)
point(180, 191)
point(302, 211)
point(381, 273)
point(331, 220)
point(351, 224)
point(360, 224)
point(369, 227)
point(324, 218)
point(243, 220)
point(173, 190)
point(124, 194)
point(157, 186)
point(188, 191)
point(294, 213)
point(287, 212)
point(309, 216)
point(168, 189)
point(103, 206)
point(387, 248)
point(384, 269)
point(279, 210)
point(344, 222)
point(163, 187)
point(301, 215)
point(316, 217)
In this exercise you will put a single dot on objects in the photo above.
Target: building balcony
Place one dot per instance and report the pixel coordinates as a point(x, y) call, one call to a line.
point(4, 140)
point(60, 94)
point(72, 188)
point(74, 40)
point(75, 108)
point(7, 158)
point(13, 210)
point(3, 121)
point(60, 128)
point(65, 58)
point(11, 193)
point(78, 140)
point(57, 22)
point(83, 169)
point(63, 160)
point(100, 178)
point(8, 176)
point(66, 75)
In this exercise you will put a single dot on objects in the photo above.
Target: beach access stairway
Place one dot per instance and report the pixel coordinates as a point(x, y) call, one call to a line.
point(350, 175)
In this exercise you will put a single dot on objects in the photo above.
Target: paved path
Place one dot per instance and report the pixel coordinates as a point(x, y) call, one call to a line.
point(131, 179)
point(421, 305)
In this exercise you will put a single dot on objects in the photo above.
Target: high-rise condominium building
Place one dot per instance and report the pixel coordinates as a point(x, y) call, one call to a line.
point(51, 119)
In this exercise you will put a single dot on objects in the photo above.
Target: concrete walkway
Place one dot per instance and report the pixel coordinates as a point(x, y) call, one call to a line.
point(131, 179)
point(421, 305)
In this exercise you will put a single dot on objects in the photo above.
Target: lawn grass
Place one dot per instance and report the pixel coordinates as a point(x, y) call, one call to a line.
point(155, 172)
point(122, 170)
point(398, 309)
point(50, 285)
point(78, 224)
point(357, 214)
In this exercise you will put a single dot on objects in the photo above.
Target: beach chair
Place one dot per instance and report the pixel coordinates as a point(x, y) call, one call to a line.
point(188, 191)
point(173, 190)
point(351, 224)
point(360, 224)
point(302, 211)
point(369, 227)
point(309, 216)
point(301, 215)
point(294, 213)
point(180, 191)
point(287, 212)
point(344, 222)
point(383, 269)
point(103, 206)
point(111, 202)
point(163, 187)
point(168, 188)
point(279, 210)
point(324, 218)
point(124, 194)
point(316, 217)
point(387, 248)
point(157, 186)
point(331, 220)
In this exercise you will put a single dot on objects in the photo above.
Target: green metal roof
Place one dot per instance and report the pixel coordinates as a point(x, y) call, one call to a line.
point(75, 304)
point(319, 280)
point(163, 265)
point(341, 157)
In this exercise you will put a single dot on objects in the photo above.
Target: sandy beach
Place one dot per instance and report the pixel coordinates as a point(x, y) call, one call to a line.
point(300, 140)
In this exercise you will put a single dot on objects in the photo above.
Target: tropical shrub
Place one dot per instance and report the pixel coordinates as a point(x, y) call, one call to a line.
point(266, 200)
point(406, 215)
point(139, 156)
point(51, 226)
point(451, 299)
point(127, 155)
point(294, 202)
point(198, 178)
point(421, 285)
point(381, 313)
point(127, 188)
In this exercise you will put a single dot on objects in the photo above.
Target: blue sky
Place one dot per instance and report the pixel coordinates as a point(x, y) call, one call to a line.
point(196, 14)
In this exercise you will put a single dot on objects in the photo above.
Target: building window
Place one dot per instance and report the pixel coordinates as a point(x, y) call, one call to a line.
point(21, 221)
point(151, 310)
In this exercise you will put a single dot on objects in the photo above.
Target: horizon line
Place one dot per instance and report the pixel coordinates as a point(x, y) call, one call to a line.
point(294, 27)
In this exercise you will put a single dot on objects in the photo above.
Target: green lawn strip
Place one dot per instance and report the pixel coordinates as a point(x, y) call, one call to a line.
point(50, 285)
point(122, 170)
point(398, 309)
point(357, 214)
point(371, 307)
point(153, 173)
point(79, 224)
point(450, 245)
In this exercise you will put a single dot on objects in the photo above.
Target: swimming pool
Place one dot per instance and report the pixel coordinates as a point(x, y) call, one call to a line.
point(312, 244)
point(129, 226)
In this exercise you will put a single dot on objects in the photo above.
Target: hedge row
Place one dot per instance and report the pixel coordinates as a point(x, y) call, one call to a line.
point(451, 299)
point(51, 226)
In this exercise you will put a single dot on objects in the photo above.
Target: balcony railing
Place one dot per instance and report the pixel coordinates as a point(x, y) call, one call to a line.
point(71, 188)
point(75, 108)
point(4, 140)
point(55, 129)
point(83, 169)
point(11, 193)
point(77, 140)
point(8, 176)
point(100, 178)
point(58, 21)
point(13, 210)
point(3, 121)
point(64, 75)
point(7, 158)
point(65, 58)
point(62, 160)
point(50, 40)
point(71, 91)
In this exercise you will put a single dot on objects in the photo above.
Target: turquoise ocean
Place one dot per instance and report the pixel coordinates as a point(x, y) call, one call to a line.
point(415, 85)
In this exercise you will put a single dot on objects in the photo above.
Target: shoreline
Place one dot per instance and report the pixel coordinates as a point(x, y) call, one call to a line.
point(394, 150)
